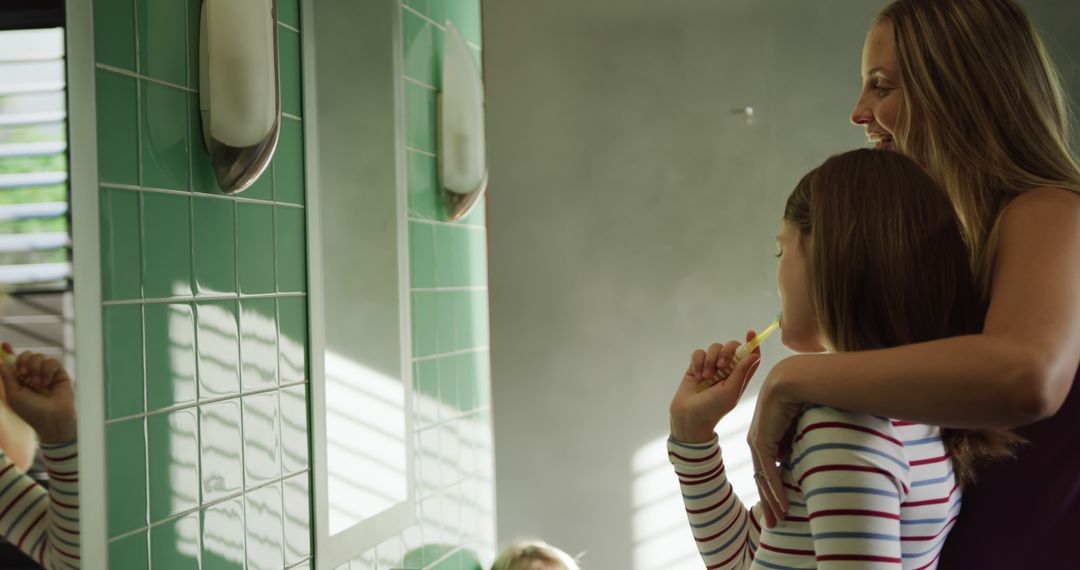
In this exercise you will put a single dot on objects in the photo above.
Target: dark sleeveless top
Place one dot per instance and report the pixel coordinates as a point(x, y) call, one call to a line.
point(1025, 513)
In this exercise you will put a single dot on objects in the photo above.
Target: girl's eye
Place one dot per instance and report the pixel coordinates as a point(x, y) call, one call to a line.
point(778, 254)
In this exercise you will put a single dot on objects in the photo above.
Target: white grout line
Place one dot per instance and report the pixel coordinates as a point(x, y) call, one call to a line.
point(287, 26)
point(476, 288)
point(459, 417)
point(436, 24)
point(207, 505)
point(420, 83)
point(447, 224)
point(200, 403)
point(128, 73)
point(291, 116)
point(418, 151)
point(201, 298)
point(446, 354)
point(199, 194)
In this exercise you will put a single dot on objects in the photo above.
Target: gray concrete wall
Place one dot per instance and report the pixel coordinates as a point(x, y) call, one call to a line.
point(631, 220)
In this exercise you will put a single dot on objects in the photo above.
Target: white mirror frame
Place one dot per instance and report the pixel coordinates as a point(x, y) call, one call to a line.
point(332, 550)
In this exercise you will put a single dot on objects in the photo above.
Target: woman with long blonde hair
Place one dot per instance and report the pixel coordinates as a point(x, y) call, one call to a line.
point(965, 88)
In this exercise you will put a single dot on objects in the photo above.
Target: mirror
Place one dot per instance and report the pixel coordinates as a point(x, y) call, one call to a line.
point(360, 352)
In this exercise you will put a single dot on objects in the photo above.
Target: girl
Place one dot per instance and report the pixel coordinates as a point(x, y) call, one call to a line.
point(43, 524)
point(966, 89)
point(534, 555)
point(871, 256)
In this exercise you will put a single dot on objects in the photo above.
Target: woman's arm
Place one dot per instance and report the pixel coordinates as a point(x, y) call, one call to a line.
point(1019, 370)
point(725, 531)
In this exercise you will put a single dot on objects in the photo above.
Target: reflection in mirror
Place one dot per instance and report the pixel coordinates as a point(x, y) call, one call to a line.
point(39, 465)
point(358, 274)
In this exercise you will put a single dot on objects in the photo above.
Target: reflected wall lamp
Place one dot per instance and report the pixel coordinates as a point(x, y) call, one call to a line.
point(239, 98)
point(462, 151)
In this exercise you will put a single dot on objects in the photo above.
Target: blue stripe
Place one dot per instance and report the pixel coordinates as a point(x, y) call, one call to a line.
point(794, 504)
point(922, 521)
point(856, 490)
point(68, 519)
point(911, 442)
point(776, 566)
point(703, 495)
point(866, 535)
point(852, 447)
point(11, 484)
point(59, 491)
point(942, 479)
point(52, 446)
point(738, 535)
point(717, 519)
point(25, 511)
point(692, 445)
point(62, 541)
point(794, 534)
point(36, 544)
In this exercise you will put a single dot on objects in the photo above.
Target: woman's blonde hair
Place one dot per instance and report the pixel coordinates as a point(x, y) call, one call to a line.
point(534, 555)
point(984, 111)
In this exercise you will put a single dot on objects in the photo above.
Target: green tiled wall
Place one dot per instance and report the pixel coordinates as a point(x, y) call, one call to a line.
point(448, 266)
point(204, 311)
point(205, 316)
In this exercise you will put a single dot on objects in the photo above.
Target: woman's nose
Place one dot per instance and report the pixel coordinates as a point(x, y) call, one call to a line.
point(862, 114)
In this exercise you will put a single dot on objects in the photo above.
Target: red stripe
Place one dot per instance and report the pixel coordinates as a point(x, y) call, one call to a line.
point(946, 499)
point(792, 487)
point(930, 460)
point(30, 528)
point(698, 475)
point(700, 460)
point(858, 557)
point(753, 520)
point(67, 554)
point(854, 513)
point(863, 468)
point(16, 500)
point(738, 551)
point(901, 423)
point(944, 528)
point(726, 528)
point(786, 550)
point(716, 506)
point(65, 505)
point(59, 459)
point(796, 519)
point(6, 469)
point(844, 425)
point(932, 561)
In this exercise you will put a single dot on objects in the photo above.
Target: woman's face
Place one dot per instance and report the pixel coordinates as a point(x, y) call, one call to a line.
point(800, 331)
point(880, 99)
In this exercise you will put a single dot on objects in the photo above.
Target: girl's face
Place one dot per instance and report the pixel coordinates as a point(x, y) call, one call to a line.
point(800, 331)
point(880, 99)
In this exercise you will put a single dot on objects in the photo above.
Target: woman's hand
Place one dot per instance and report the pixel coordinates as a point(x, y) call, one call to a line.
point(40, 391)
point(698, 406)
point(773, 417)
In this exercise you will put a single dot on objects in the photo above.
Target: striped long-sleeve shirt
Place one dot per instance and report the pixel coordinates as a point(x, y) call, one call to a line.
point(43, 524)
point(864, 492)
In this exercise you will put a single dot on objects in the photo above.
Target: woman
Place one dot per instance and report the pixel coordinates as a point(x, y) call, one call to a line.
point(871, 256)
point(966, 89)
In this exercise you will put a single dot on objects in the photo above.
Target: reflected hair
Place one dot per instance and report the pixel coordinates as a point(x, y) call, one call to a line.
point(889, 267)
point(984, 111)
point(534, 555)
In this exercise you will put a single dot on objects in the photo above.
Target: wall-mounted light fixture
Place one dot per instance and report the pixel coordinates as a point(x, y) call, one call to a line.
point(239, 97)
point(462, 152)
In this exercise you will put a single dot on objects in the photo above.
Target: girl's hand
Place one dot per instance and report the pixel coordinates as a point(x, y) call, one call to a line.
point(40, 391)
point(773, 417)
point(695, 411)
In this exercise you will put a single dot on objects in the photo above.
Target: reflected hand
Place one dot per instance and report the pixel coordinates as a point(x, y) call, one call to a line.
point(40, 391)
point(773, 417)
point(696, 411)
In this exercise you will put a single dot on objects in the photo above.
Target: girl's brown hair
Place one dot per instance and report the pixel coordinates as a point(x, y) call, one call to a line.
point(983, 111)
point(889, 267)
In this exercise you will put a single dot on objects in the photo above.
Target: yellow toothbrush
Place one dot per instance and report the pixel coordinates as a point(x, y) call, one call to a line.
point(742, 352)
